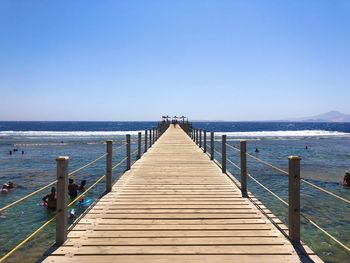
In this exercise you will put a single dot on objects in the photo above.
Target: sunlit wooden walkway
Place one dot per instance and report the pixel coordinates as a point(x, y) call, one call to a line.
point(175, 205)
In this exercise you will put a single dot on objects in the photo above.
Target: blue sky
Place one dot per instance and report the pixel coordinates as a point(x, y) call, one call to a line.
point(138, 60)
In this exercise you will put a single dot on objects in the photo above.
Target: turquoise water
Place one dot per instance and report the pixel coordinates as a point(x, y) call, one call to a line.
point(324, 163)
point(37, 167)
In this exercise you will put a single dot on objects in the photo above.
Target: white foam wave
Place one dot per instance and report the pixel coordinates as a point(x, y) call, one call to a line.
point(66, 133)
point(302, 133)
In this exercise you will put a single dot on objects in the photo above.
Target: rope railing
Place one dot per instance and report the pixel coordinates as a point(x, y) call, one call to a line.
point(52, 183)
point(286, 173)
point(286, 204)
point(27, 196)
point(23, 242)
point(87, 165)
point(38, 230)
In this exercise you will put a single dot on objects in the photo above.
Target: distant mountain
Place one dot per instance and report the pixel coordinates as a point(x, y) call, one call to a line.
point(331, 116)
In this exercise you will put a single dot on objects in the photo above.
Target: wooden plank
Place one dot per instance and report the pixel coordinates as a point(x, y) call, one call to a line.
point(175, 205)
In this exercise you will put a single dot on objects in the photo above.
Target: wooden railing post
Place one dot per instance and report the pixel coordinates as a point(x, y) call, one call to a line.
point(243, 146)
point(146, 143)
point(205, 141)
point(139, 138)
point(200, 138)
point(197, 136)
point(294, 199)
point(109, 166)
point(212, 145)
point(150, 138)
point(128, 152)
point(223, 153)
point(153, 135)
point(62, 199)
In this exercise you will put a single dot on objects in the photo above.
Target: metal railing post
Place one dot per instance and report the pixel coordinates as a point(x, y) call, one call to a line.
point(153, 135)
point(62, 199)
point(109, 166)
point(205, 141)
point(197, 136)
point(200, 138)
point(128, 152)
point(146, 143)
point(294, 199)
point(223, 153)
point(139, 138)
point(212, 145)
point(243, 146)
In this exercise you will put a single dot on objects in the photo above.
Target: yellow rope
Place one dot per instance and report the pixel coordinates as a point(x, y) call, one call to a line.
point(28, 238)
point(27, 196)
point(87, 190)
point(87, 165)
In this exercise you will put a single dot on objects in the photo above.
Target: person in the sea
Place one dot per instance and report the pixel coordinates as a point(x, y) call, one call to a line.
point(5, 189)
point(11, 185)
point(81, 187)
point(72, 188)
point(10, 152)
point(346, 180)
point(51, 199)
point(256, 150)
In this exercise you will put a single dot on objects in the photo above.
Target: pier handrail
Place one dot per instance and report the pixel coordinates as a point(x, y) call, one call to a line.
point(52, 183)
point(194, 135)
point(286, 204)
point(38, 230)
point(286, 173)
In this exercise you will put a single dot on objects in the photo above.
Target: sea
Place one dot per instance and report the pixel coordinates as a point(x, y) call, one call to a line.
point(323, 147)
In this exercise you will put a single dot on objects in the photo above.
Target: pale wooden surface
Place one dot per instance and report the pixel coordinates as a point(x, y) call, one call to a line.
point(175, 205)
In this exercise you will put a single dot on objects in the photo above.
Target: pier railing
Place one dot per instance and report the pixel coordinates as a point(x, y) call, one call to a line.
point(199, 136)
point(62, 174)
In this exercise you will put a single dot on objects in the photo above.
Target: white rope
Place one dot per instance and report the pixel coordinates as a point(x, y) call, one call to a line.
point(285, 203)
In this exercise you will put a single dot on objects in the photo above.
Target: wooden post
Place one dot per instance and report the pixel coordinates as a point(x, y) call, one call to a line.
point(153, 135)
point(205, 141)
point(200, 138)
point(197, 136)
point(62, 199)
point(223, 153)
point(109, 166)
point(128, 152)
point(294, 199)
point(212, 145)
point(243, 146)
point(139, 138)
point(146, 144)
point(150, 138)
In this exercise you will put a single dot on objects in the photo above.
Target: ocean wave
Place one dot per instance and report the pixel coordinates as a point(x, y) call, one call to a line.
point(291, 134)
point(66, 133)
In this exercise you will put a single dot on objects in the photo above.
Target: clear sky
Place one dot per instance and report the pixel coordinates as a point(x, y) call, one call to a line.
point(137, 60)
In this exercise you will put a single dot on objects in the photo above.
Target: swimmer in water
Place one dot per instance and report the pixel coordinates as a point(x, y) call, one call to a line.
point(256, 150)
point(5, 189)
point(51, 199)
point(346, 180)
point(72, 189)
point(81, 187)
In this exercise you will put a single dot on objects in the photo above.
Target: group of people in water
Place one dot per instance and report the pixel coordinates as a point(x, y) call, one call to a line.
point(50, 200)
point(13, 151)
point(7, 187)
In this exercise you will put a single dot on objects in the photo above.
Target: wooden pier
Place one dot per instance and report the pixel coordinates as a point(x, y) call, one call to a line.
point(175, 205)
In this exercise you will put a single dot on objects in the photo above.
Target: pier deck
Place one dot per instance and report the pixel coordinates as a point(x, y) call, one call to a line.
point(175, 205)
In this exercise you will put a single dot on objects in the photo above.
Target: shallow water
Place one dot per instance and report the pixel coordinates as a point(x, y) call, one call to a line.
point(324, 163)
